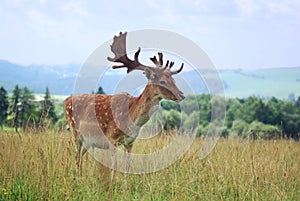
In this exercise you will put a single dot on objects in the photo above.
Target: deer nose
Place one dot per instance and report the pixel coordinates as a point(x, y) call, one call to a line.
point(180, 96)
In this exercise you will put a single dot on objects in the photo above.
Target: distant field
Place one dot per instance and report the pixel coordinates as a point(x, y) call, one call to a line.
point(59, 98)
point(41, 167)
point(268, 82)
point(278, 82)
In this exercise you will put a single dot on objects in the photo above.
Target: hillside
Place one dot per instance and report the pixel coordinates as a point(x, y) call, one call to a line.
point(278, 82)
point(60, 79)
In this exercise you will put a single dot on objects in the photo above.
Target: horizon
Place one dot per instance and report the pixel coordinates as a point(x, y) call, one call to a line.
point(234, 34)
point(118, 72)
point(236, 82)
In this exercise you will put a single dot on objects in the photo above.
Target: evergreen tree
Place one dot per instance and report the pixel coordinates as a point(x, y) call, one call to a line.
point(26, 106)
point(3, 106)
point(100, 91)
point(15, 106)
point(48, 107)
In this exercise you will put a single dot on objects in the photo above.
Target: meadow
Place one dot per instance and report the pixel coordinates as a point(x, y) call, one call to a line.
point(42, 167)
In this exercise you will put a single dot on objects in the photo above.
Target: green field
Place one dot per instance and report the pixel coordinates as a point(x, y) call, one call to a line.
point(277, 82)
point(41, 167)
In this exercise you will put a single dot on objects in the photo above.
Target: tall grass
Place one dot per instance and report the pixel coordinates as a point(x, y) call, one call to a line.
point(42, 167)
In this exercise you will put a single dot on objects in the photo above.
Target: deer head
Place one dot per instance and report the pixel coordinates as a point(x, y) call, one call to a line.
point(119, 116)
point(160, 82)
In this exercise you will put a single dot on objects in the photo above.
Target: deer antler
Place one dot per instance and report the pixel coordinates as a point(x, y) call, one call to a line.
point(118, 47)
point(177, 71)
point(168, 66)
point(158, 63)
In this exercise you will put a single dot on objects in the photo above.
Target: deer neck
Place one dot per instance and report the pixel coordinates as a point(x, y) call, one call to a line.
point(140, 106)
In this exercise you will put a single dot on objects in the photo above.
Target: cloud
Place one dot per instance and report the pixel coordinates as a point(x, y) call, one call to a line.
point(75, 8)
point(67, 31)
point(274, 9)
point(277, 8)
point(247, 7)
point(283, 9)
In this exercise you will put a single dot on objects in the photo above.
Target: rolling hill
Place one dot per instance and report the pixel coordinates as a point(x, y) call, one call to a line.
point(278, 82)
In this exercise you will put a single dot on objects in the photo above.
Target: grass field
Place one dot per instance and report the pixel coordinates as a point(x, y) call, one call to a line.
point(278, 82)
point(41, 167)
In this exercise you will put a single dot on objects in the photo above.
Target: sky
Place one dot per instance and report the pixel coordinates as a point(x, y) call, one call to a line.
point(245, 34)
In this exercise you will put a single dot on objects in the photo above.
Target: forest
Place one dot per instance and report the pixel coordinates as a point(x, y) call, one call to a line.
point(255, 117)
point(260, 118)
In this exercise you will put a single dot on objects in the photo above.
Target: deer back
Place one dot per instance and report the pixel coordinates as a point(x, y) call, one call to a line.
point(110, 112)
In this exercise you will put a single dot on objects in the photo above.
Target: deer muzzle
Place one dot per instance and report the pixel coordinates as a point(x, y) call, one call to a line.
point(180, 96)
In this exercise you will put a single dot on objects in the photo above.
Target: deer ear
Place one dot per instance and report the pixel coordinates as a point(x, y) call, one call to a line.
point(150, 74)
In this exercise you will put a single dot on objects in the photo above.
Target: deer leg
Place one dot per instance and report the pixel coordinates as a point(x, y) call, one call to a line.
point(77, 156)
point(114, 159)
point(127, 158)
point(127, 164)
point(80, 151)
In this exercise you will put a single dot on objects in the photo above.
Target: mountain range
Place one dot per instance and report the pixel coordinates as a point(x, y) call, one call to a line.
point(61, 79)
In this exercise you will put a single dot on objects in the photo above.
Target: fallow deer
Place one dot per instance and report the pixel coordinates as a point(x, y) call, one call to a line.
point(116, 114)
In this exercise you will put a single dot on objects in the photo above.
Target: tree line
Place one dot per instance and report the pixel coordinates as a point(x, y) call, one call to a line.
point(245, 117)
point(23, 110)
point(251, 117)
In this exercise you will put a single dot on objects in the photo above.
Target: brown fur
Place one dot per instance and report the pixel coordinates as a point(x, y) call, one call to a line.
point(116, 119)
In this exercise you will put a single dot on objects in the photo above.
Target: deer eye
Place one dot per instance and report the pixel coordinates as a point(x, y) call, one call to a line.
point(162, 82)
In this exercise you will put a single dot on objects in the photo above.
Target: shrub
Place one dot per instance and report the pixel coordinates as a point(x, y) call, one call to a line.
point(239, 129)
point(263, 131)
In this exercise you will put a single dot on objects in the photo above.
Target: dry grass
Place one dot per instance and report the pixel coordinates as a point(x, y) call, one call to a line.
point(42, 167)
